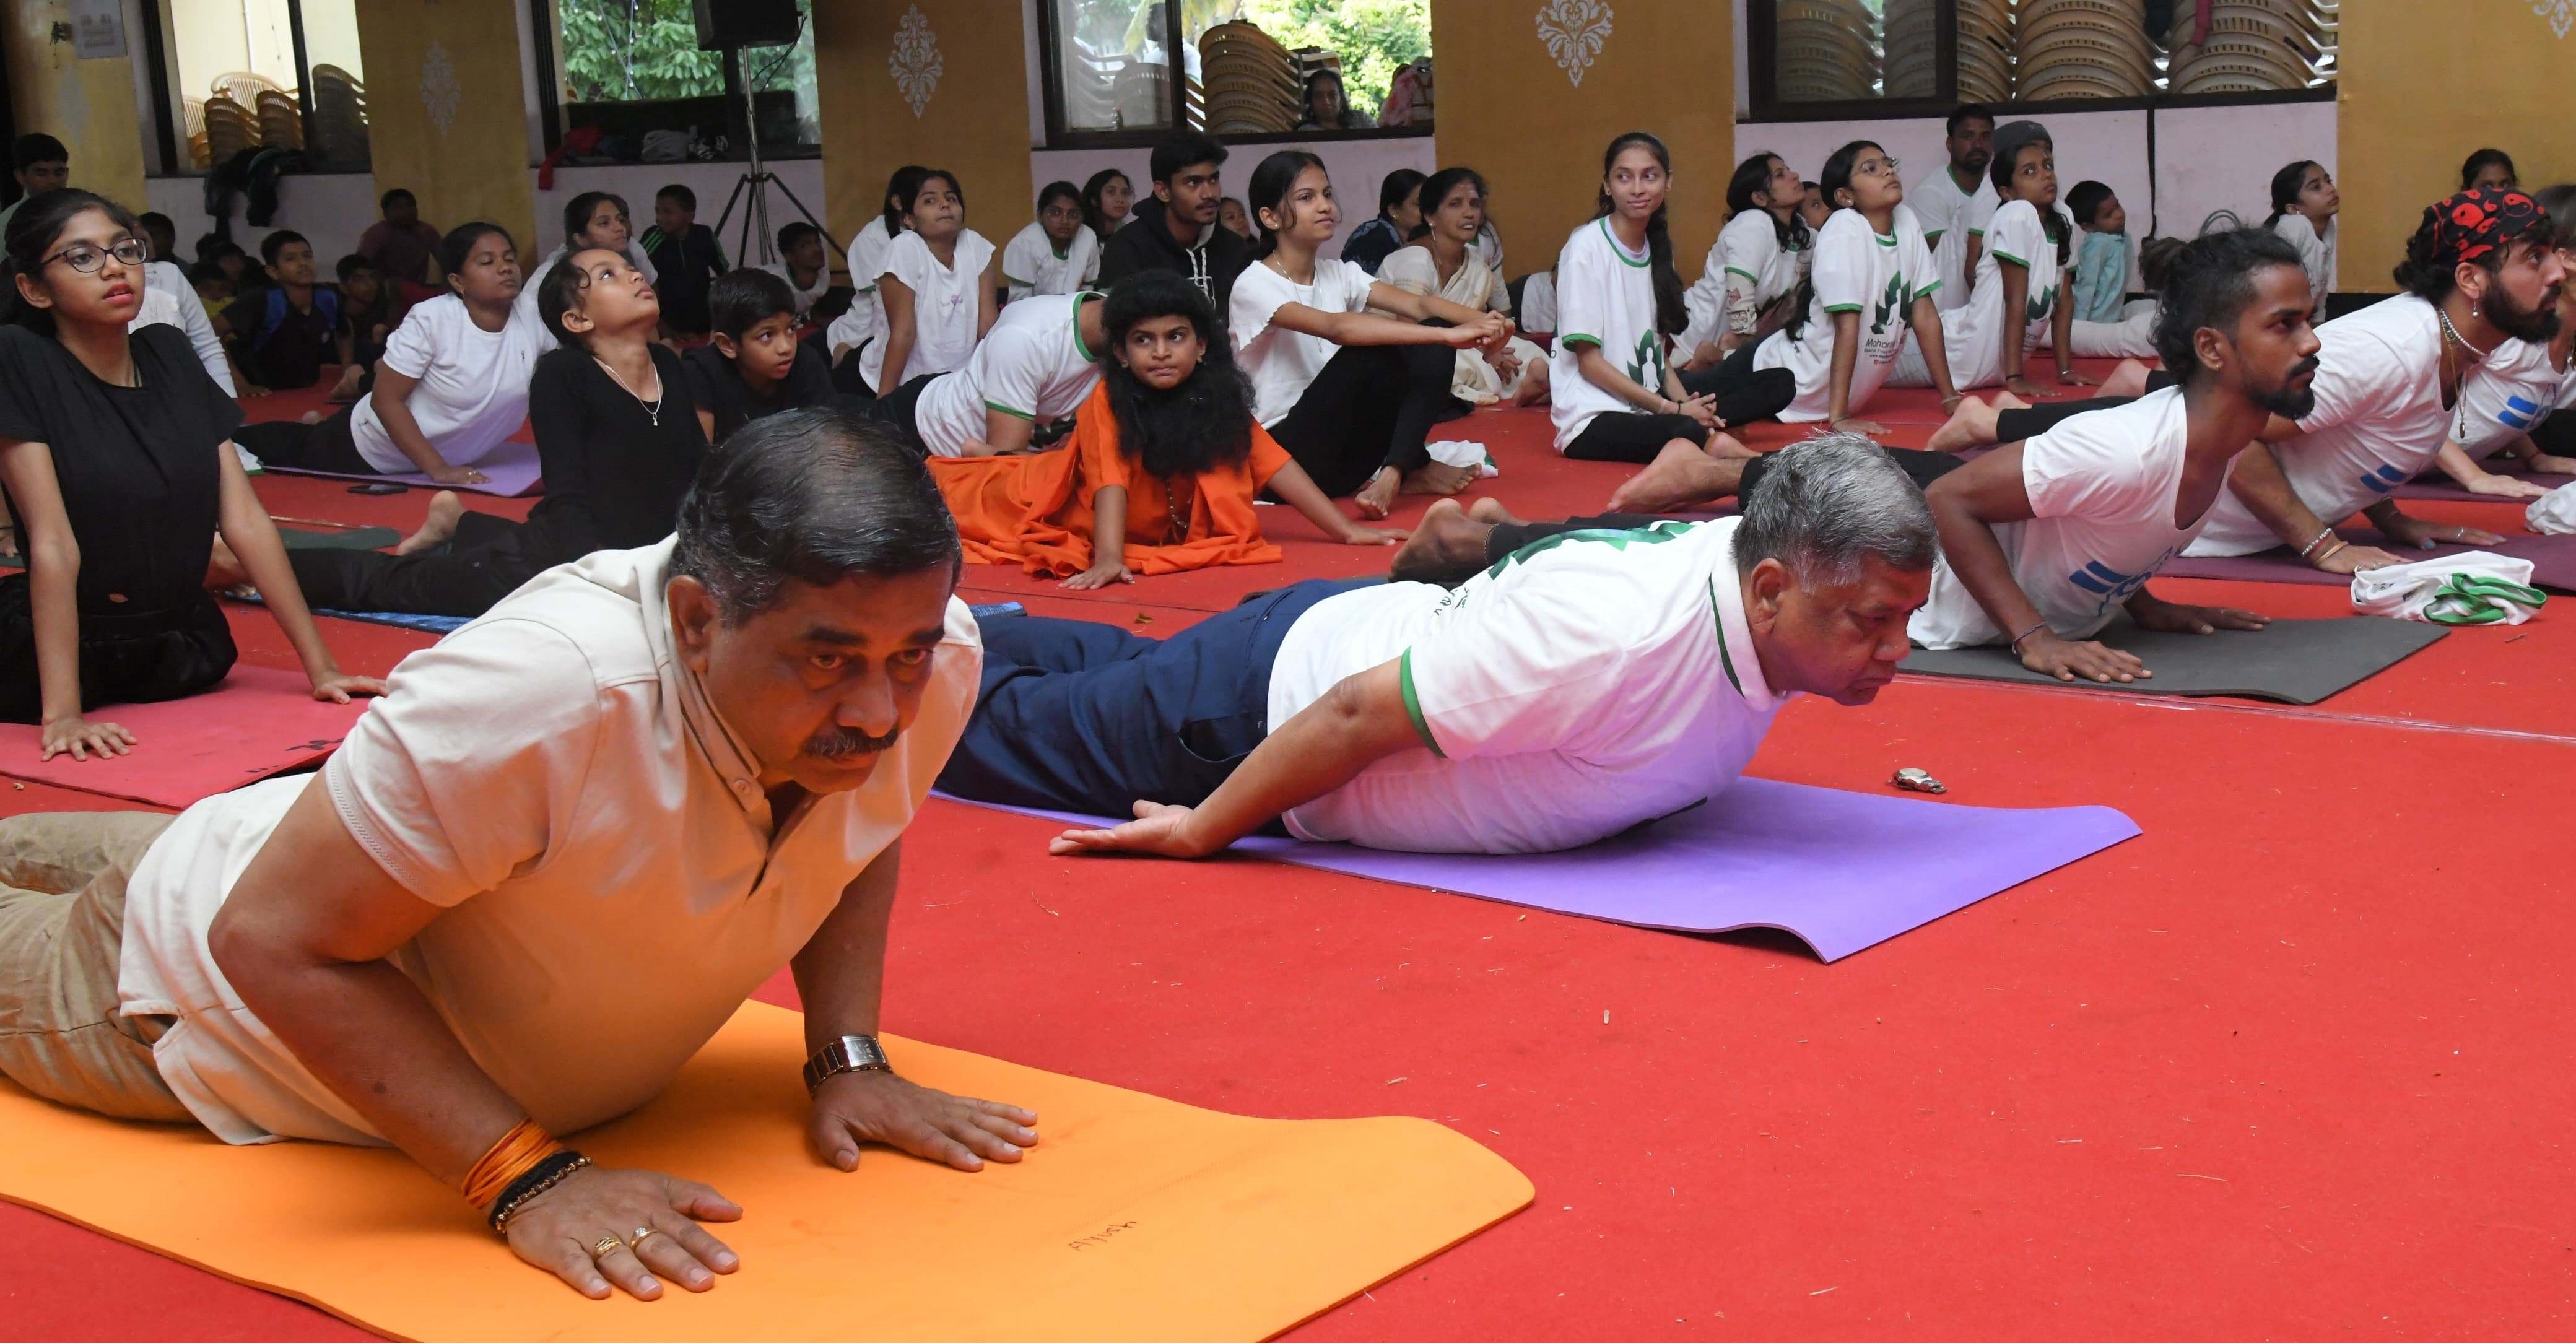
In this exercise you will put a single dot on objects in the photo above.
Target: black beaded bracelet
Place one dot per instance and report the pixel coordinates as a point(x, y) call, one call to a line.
point(544, 1175)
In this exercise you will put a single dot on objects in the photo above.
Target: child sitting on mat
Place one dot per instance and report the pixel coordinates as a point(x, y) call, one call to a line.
point(754, 366)
point(686, 260)
point(114, 452)
point(591, 219)
point(367, 308)
point(2304, 205)
point(2023, 266)
point(452, 385)
point(617, 433)
point(285, 333)
point(804, 265)
point(1163, 467)
point(2102, 263)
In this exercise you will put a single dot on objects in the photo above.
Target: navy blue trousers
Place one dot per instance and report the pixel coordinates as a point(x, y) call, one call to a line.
point(1075, 715)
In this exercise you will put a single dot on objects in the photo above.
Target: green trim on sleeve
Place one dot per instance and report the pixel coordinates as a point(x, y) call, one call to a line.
point(1413, 704)
point(1011, 411)
point(1842, 307)
point(1933, 238)
point(1738, 270)
point(1976, 233)
point(1578, 338)
point(2002, 255)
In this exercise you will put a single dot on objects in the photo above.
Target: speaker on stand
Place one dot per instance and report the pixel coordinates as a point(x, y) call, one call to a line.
point(733, 26)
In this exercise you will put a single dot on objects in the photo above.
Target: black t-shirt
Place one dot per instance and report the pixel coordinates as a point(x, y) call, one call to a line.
point(137, 466)
point(291, 352)
point(614, 471)
point(718, 388)
point(685, 266)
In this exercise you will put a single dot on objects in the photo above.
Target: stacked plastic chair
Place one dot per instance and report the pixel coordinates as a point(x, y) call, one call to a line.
point(1985, 51)
point(230, 129)
point(1828, 51)
point(1251, 82)
point(2251, 46)
point(339, 118)
point(281, 121)
point(1913, 67)
point(2083, 49)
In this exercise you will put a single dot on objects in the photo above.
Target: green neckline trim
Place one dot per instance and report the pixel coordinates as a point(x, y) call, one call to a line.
point(1084, 350)
point(1619, 251)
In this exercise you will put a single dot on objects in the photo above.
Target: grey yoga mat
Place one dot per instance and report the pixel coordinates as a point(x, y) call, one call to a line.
point(2292, 661)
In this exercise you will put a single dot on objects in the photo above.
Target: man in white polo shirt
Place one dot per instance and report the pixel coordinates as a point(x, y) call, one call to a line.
point(1590, 682)
point(2044, 541)
point(1020, 387)
point(545, 869)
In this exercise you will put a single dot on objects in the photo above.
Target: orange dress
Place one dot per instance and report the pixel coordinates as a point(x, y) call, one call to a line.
point(1035, 509)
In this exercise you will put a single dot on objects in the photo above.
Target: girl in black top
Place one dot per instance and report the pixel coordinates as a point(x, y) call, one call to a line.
point(618, 440)
point(116, 454)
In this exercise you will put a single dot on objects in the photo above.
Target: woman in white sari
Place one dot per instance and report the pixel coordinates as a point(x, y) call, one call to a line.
point(1444, 260)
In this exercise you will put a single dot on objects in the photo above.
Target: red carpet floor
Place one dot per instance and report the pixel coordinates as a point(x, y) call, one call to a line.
point(2285, 1066)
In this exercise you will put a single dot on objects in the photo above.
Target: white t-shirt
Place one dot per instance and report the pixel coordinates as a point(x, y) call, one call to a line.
point(1538, 304)
point(1748, 267)
point(945, 305)
point(536, 279)
point(2102, 491)
point(1605, 297)
point(2316, 256)
point(1968, 219)
point(1031, 266)
point(1974, 333)
point(1592, 681)
point(162, 308)
point(473, 390)
point(610, 880)
point(2511, 393)
point(1936, 201)
point(865, 321)
point(1032, 364)
point(188, 313)
point(1857, 269)
point(1283, 363)
point(806, 296)
point(2378, 423)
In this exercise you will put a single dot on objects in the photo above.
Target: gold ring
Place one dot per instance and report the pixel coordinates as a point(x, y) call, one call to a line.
point(606, 1246)
point(636, 1241)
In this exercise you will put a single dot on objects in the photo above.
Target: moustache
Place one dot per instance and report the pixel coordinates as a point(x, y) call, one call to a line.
point(840, 743)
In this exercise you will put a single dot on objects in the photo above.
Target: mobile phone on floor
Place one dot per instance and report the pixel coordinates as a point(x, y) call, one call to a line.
point(380, 487)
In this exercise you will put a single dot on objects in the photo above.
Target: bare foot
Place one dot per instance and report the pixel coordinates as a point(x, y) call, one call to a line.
point(437, 528)
point(313, 417)
point(224, 570)
point(1533, 388)
point(1438, 478)
point(2129, 379)
point(1681, 476)
point(346, 389)
point(1377, 498)
point(1972, 425)
point(1447, 546)
point(2007, 401)
point(1726, 447)
point(1491, 510)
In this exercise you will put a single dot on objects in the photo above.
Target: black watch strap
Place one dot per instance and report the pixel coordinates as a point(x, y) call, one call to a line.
point(848, 1054)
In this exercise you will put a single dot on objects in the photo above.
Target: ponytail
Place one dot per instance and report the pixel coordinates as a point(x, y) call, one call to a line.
point(1672, 315)
point(903, 187)
point(1836, 178)
point(2285, 189)
point(1271, 182)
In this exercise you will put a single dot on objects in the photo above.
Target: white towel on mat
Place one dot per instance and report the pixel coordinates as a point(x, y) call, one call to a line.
point(2475, 588)
point(2554, 513)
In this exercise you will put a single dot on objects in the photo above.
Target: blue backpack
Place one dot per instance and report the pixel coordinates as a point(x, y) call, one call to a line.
point(325, 301)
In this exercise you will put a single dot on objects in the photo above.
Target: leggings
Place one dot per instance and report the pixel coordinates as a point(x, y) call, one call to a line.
point(1370, 407)
point(126, 657)
point(1508, 538)
point(1743, 395)
point(2012, 426)
point(296, 446)
point(485, 561)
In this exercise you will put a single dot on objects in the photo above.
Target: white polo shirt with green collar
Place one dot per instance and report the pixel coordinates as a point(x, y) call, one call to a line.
point(1857, 270)
point(1585, 684)
point(1032, 365)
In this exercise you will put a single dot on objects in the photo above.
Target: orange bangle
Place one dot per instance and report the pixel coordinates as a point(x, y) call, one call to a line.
point(517, 1152)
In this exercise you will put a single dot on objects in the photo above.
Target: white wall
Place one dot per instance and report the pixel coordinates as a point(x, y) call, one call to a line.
point(331, 209)
point(1356, 167)
point(2207, 158)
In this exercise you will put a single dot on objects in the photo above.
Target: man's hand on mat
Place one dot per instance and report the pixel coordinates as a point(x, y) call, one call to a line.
point(2504, 487)
point(853, 1108)
point(2066, 659)
point(560, 1230)
point(2547, 465)
point(1099, 576)
point(1159, 829)
point(1374, 536)
point(2169, 617)
point(459, 475)
point(2424, 535)
point(82, 738)
point(2354, 559)
point(338, 686)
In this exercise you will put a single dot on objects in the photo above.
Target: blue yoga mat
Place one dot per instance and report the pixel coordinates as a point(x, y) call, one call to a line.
point(1838, 870)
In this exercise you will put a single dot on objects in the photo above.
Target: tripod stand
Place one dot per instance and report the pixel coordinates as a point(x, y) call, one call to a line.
point(752, 189)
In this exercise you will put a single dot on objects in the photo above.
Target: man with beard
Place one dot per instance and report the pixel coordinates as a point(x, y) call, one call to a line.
point(1177, 230)
point(1954, 201)
point(545, 869)
point(2044, 541)
point(1589, 683)
point(2481, 268)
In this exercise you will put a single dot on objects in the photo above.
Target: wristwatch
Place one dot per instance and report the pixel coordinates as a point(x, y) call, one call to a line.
point(848, 1054)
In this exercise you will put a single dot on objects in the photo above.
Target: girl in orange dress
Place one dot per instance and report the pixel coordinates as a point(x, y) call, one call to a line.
point(1162, 467)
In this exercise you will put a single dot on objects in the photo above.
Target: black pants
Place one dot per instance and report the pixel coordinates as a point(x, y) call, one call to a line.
point(1509, 538)
point(126, 657)
point(2557, 435)
point(2012, 426)
point(297, 446)
point(486, 561)
point(1743, 395)
point(1371, 406)
point(900, 411)
point(846, 377)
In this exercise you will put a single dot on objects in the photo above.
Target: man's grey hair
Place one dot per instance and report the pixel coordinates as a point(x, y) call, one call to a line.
point(1825, 505)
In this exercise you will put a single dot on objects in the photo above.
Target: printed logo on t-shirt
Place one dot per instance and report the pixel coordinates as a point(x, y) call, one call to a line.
point(2381, 479)
point(2040, 302)
point(1646, 363)
point(1889, 304)
point(1612, 537)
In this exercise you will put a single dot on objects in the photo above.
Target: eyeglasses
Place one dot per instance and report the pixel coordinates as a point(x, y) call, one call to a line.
point(82, 257)
point(1885, 167)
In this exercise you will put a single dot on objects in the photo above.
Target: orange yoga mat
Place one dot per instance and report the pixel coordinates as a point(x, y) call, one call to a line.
point(1136, 1218)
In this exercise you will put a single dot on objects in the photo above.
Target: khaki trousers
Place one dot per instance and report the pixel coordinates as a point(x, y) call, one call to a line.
point(62, 924)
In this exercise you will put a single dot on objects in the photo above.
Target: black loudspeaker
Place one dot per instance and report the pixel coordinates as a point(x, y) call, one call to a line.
point(726, 24)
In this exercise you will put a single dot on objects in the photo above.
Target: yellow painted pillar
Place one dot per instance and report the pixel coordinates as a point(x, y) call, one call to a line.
point(2424, 85)
point(941, 83)
point(446, 113)
point(1530, 93)
point(88, 105)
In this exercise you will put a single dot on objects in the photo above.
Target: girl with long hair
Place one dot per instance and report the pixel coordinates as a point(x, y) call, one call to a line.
point(2304, 202)
point(1444, 258)
point(938, 283)
point(2023, 273)
point(1749, 283)
point(864, 322)
point(1055, 254)
point(1108, 201)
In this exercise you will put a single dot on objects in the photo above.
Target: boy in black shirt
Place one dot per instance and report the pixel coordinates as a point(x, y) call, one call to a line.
point(755, 367)
point(367, 310)
point(284, 334)
point(685, 256)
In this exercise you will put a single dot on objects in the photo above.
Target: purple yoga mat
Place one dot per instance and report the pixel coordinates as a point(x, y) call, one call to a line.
point(512, 467)
point(1839, 871)
point(2553, 561)
point(2435, 485)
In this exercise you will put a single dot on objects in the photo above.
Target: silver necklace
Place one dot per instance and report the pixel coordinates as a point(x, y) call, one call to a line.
point(652, 408)
point(2459, 401)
